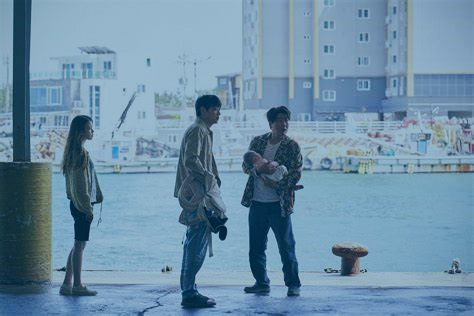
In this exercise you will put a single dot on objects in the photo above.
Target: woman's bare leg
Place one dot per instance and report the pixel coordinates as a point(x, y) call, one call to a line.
point(77, 261)
point(69, 269)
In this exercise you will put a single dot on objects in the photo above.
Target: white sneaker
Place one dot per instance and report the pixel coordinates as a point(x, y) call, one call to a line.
point(82, 291)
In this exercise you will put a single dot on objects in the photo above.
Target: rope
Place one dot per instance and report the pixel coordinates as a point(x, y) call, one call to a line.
point(100, 215)
point(331, 270)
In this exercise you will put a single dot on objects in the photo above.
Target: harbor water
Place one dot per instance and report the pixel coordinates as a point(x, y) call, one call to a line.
point(409, 222)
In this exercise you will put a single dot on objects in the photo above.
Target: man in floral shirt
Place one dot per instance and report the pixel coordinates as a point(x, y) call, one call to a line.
point(271, 203)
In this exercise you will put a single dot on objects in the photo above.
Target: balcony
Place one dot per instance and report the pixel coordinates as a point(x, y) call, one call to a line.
point(55, 75)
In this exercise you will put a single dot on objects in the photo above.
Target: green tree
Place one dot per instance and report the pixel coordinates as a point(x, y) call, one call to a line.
point(167, 100)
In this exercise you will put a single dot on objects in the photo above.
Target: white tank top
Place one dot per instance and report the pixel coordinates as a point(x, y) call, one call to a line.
point(261, 192)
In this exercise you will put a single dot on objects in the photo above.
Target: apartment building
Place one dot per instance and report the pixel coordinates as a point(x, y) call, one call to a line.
point(327, 58)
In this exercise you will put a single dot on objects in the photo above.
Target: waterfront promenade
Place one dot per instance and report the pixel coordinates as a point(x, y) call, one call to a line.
point(156, 293)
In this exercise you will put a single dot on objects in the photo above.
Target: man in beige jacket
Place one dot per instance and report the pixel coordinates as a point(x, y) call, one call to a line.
point(196, 159)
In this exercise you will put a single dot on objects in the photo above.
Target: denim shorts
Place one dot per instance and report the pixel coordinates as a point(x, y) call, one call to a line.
point(82, 226)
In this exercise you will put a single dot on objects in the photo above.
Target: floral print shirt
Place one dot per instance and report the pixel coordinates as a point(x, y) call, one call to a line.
point(289, 155)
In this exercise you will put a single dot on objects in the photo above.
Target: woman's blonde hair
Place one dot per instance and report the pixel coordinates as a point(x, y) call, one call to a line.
point(75, 156)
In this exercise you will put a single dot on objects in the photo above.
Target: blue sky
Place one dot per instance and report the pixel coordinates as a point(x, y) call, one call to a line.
point(136, 30)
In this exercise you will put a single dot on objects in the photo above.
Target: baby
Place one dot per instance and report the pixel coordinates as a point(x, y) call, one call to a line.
point(254, 159)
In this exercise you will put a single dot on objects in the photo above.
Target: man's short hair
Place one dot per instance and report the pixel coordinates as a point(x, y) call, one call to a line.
point(207, 101)
point(273, 113)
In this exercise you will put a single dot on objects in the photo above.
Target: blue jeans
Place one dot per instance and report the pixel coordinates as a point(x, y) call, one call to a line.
point(194, 253)
point(262, 217)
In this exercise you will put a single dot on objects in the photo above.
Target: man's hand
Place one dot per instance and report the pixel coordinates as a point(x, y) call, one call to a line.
point(270, 183)
point(267, 168)
point(90, 217)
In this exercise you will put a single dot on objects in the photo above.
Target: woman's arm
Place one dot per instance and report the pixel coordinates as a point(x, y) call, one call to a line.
point(79, 190)
point(100, 196)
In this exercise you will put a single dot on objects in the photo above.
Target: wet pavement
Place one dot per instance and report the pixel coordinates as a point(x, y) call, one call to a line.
point(336, 295)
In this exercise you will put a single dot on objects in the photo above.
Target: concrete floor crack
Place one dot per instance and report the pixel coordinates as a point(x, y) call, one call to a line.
point(157, 301)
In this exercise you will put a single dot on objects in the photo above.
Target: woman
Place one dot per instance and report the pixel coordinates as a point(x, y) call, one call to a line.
point(82, 189)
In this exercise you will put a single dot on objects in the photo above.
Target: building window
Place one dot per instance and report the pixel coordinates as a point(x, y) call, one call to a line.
point(363, 14)
point(394, 10)
point(461, 85)
point(97, 106)
point(307, 13)
point(141, 88)
point(394, 59)
point(250, 89)
point(107, 65)
point(38, 96)
point(329, 95)
point(148, 62)
point(46, 96)
point(68, 71)
point(363, 37)
point(307, 84)
point(363, 85)
point(329, 3)
point(305, 117)
point(394, 34)
point(222, 81)
point(86, 70)
point(394, 82)
point(141, 115)
point(328, 49)
point(91, 101)
point(61, 120)
point(55, 96)
point(328, 74)
point(328, 25)
point(307, 61)
point(307, 37)
point(107, 69)
point(363, 61)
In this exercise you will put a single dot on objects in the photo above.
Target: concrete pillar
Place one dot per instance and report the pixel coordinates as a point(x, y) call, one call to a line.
point(25, 187)
point(25, 223)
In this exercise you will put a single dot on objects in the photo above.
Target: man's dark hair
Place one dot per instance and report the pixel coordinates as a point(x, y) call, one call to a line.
point(273, 113)
point(207, 101)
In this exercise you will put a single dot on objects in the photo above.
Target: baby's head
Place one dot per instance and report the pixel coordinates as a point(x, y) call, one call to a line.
point(251, 158)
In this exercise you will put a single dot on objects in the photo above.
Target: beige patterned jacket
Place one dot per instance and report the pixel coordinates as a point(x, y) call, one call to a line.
point(79, 187)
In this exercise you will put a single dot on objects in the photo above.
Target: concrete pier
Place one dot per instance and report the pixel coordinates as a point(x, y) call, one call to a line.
point(156, 293)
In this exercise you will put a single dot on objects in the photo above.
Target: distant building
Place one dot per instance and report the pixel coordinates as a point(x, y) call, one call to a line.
point(75, 89)
point(229, 90)
point(88, 84)
point(327, 58)
point(430, 58)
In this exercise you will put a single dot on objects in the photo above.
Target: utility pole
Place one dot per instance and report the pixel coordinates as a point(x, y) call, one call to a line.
point(183, 81)
point(6, 63)
point(195, 71)
point(21, 80)
point(7, 99)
